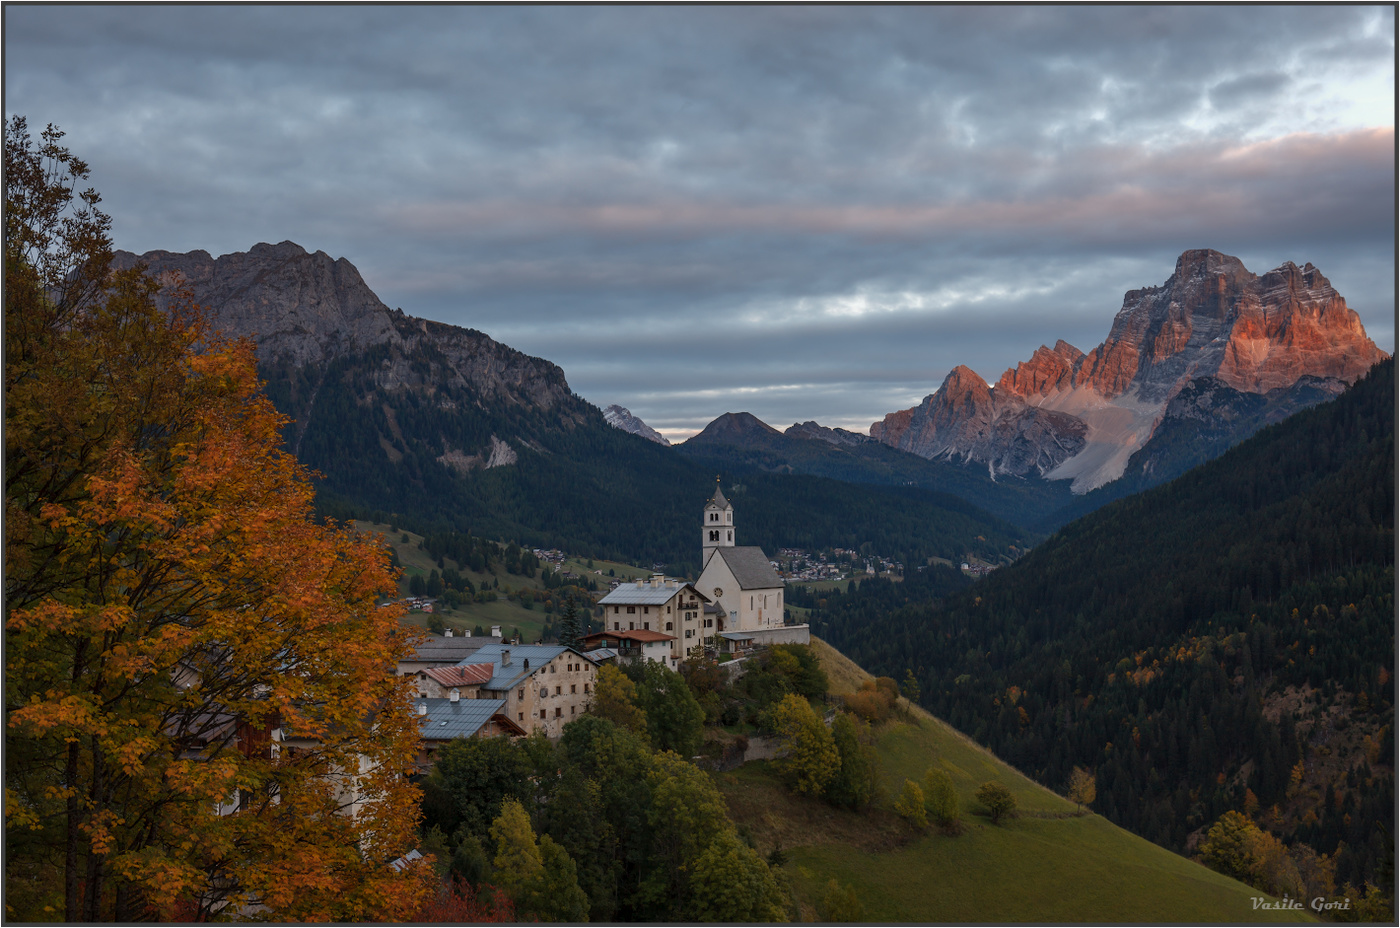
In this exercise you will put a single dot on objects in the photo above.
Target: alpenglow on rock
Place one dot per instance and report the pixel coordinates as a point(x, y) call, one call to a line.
point(621, 418)
point(1064, 414)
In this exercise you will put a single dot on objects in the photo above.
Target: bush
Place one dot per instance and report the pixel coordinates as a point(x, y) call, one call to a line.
point(997, 799)
point(871, 702)
point(940, 798)
point(910, 805)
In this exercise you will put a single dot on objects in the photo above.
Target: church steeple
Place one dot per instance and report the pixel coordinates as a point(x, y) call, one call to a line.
point(718, 528)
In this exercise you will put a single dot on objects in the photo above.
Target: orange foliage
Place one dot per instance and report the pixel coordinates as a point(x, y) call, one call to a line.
point(170, 603)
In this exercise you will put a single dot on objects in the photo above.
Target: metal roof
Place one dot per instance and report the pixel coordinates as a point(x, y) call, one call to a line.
point(448, 650)
point(750, 567)
point(737, 636)
point(598, 655)
point(446, 719)
point(503, 678)
point(634, 634)
point(460, 674)
point(718, 501)
point(642, 593)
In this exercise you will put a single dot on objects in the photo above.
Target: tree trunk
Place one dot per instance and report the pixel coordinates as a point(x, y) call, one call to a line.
point(96, 872)
point(70, 862)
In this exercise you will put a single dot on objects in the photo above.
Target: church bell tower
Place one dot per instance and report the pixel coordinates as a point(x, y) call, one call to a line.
point(718, 529)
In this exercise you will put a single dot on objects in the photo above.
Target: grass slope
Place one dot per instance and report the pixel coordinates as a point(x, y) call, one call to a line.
point(1045, 865)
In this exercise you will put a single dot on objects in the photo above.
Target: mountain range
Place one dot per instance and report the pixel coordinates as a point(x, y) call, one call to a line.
point(1068, 415)
point(446, 428)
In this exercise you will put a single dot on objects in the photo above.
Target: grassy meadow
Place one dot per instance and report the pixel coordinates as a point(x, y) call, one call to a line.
point(1045, 865)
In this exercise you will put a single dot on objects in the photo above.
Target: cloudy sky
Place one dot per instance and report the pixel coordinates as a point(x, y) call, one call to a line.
point(800, 212)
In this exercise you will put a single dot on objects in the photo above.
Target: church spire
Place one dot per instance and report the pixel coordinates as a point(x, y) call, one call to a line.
point(717, 530)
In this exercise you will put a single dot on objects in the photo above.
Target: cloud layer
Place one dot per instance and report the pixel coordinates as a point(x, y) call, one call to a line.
point(802, 212)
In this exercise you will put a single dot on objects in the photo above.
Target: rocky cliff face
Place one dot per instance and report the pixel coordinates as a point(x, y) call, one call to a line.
point(1067, 414)
point(310, 315)
point(621, 418)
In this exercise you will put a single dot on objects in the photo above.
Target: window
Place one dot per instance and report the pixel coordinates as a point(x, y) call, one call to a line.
point(615, 610)
point(573, 710)
point(631, 610)
point(522, 716)
point(731, 535)
point(542, 713)
point(714, 536)
point(709, 623)
point(646, 610)
point(520, 695)
point(670, 625)
point(668, 610)
point(646, 626)
point(557, 690)
point(631, 626)
point(687, 632)
point(617, 626)
point(558, 711)
point(585, 687)
point(552, 668)
point(573, 688)
point(544, 692)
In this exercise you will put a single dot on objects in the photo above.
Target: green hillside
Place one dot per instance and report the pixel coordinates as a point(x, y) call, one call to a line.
point(1225, 642)
point(1048, 865)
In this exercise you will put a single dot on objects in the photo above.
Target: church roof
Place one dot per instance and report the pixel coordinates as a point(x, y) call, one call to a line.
point(718, 501)
point(750, 567)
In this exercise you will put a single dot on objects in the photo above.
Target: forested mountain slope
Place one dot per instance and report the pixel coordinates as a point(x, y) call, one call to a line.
point(451, 430)
point(1225, 641)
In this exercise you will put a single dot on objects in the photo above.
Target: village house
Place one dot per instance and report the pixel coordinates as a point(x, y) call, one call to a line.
point(544, 687)
point(631, 644)
point(442, 720)
point(446, 651)
point(658, 604)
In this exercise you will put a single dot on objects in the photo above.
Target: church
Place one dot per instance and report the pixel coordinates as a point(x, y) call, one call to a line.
point(738, 578)
point(736, 605)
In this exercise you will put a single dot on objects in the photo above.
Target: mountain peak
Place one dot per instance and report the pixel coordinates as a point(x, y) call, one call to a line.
point(620, 417)
point(734, 428)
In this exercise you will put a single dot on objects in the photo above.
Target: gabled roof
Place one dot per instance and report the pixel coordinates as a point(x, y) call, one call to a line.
point(446, 720)
point(503, 677)
point(448, 650)
point(718, 501)
point(461, 674)
point(642, 593)
point(642, 635)
point(750, 567)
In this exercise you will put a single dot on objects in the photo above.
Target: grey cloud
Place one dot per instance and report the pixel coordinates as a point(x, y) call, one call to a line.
point(548, 173)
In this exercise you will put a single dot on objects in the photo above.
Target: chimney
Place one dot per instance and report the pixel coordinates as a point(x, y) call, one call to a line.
point(447, 633)
point(466, 633)
point(495, 631)
point(527, 663)
point(454, 695)
point(505, 658)
point(422, 708)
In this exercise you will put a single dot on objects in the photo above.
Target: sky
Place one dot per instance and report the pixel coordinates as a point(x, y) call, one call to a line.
point(802, 212)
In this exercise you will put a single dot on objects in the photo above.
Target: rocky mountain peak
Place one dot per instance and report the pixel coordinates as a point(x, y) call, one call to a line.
point(1211, 318)
point(620, 417)
point(812, 431)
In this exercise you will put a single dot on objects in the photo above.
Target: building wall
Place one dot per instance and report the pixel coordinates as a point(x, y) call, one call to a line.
point(748, 609)
point(561, 693)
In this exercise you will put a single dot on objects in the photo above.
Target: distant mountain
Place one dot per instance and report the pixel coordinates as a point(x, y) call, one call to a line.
point(741, 439)
point(1067, 415)
point(621, 418)
point(1225, 641)
point(450, 429)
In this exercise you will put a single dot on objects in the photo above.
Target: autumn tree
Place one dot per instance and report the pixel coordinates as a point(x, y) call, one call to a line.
point(615, 699)
point(998, 800)
point(173, 612)
point(910, 805)
point(940, 798)
point(810, 760)
point(1082, 789)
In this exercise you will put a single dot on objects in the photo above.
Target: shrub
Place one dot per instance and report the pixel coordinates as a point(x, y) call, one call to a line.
point(997, 799)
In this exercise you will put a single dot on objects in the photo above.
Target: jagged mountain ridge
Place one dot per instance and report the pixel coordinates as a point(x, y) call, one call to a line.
point(1065, 414)
point(619, 417)
point(306, 310)
point(449, 429)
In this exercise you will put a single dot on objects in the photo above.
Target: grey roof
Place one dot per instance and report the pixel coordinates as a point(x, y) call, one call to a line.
point(449, 650)
point(738, 636)
point(718, 500)
point(503, 678)
point(750, 567)
point(598, 655)
point(632, 594)
point(461, 719)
